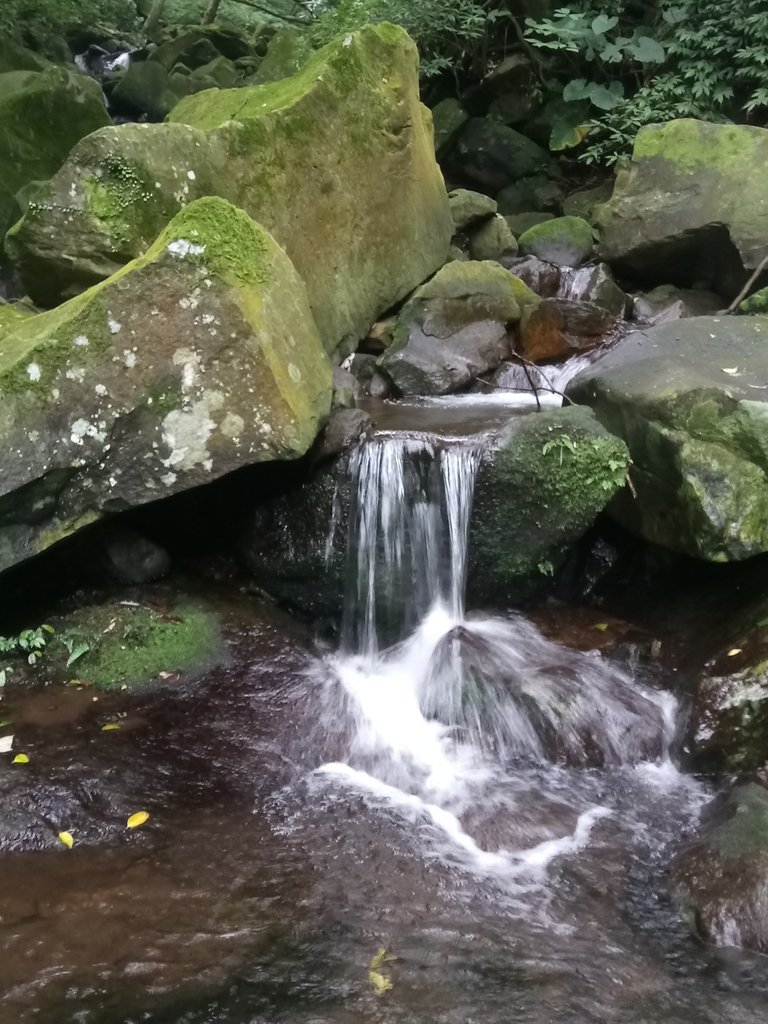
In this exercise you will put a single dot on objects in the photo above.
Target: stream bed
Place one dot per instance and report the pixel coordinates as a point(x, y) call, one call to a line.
point(449, 819)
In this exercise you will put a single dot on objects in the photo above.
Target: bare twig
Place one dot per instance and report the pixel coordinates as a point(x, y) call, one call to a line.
point(748, 286)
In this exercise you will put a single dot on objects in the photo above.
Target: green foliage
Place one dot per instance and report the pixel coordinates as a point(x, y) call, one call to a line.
point(50, 17)
point(28, 644)
point(681, 58)
point(449, 33)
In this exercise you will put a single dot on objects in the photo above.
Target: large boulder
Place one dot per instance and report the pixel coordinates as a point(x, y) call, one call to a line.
point(692, 206)
point(308, 157)
point(721, 881)
point(42, 115)
point(558, 328)
point(689, 399)
point(196, 359)
point(565, 241)
point(494, 155)
point(540, 486)
point(455, 327)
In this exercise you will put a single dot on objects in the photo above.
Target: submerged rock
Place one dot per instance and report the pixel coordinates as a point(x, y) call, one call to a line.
point(42, 116)
point(539, 487)
point(198, 358)
point(455, 328)
point(689, 399)
point(721, 882)
point(305, 157)
point(692, 206)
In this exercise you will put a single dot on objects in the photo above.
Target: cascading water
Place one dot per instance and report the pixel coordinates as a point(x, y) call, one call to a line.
point(450, 712)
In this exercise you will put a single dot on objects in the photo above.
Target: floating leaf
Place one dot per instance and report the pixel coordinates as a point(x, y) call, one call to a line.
point(379, 982)
point(734, 651)
point(20, 759)
point(110, 727)
point(602, 626)
point(67, 839)
point(730, 370)
point(6, 742)
point(137, 819)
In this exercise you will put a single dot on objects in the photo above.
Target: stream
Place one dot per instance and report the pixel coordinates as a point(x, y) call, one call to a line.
point(493, 810)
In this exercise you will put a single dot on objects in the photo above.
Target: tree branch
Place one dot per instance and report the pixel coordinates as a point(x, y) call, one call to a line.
point(747, 287)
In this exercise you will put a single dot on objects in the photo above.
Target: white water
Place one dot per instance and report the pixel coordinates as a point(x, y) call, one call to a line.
point(450, 714)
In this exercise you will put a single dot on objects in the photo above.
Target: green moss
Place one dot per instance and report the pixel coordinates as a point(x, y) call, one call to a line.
point(132, 646)
point(566, 240)
point(746, 831)
point(464, 280)
point(756, 304)
point(692, 144)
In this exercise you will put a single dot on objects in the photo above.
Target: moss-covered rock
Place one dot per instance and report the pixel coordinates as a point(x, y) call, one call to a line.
point(42, 115)
point(455, 327)
point(687, 398)
point(539, 488)
point(118, 646)
point(756, 303)
point(492, 239)
point(287, 52)
point(721, 881)
point(146, 88)
point(494, 155)
point(196, 359)
point(449, 118)
point(308, 157)
point(692, 206)
point(566, 241)
point(470, 208)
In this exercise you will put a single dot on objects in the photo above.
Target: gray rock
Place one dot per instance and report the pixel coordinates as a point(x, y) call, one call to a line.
point(566, 241)
point(344, 429)
point(521, 222)
point(448, 118)
point(494, 155)
point(132, 558)
point(537, 194)
point(470, 208)
point(492, 239)
point(667, 303)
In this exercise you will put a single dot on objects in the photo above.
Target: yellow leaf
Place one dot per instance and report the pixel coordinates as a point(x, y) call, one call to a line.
point(602, 626)
point(379, 982)
point(734, 651)
point(66, 839)
point(20, 759)
point(111, 727)
point(137, 819)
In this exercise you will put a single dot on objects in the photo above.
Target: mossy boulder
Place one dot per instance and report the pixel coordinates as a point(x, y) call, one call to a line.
point(492, 239)
point(691, 207)
point(196, 359)
point(688, 399)
point(306, 157)
point(146, 88)
point(42, 115)
point(470, 208)
point(287, 52)
point(539, 487)
point(449, 118)
point(565, 241)
point(117, 646)
point(720, 882)
point(15, 57)
point(455, 327)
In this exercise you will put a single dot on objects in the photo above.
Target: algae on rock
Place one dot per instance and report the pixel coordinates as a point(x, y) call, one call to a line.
point(337, 162)
point(196, 359)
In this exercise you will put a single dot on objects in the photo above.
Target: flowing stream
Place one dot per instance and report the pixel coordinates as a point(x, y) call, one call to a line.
point(448, 820)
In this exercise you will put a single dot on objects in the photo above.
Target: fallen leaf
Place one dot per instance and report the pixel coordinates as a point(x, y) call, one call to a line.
point(110, 627)
point(110, 727)
point(20, 759)
point(734, 651)
point(6, 742)
point(137, 819)
point(379, 982)
point(169, 675)
point(731, 370)
point(67, 839)
point(5, 721)
point(602, 626)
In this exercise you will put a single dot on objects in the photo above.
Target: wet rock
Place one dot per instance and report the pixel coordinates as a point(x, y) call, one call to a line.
point(689, 399)
point(557, 328)
point(491, 240)
point(455, 328)
point(667, 303)
point(41, 118)
point(595, 284)
point(346, 389)
point(469, 209)
point(132, 558)
point(513, 108)
point(344, 428)
point(301, 138)
point(380, 386)
point(566, 241)
point(448, 118)
point(691, 208)
point(537, 193)
point(146, 89)
point(145, 385)
point(494, 155)
point(721, 881)
point(539, 488)
point(541, 277)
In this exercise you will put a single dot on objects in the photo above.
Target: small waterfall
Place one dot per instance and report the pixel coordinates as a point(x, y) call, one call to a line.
point(408, 535)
